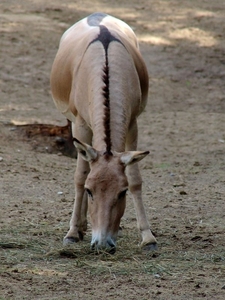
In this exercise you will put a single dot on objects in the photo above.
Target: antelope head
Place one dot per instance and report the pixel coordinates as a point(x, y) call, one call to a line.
point(106, 186)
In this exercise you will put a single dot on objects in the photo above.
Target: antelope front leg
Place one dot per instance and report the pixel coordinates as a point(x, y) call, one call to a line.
point(78, 222)
point(135, 186)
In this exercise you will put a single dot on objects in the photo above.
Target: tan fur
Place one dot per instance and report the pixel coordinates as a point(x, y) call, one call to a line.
point(77, 89)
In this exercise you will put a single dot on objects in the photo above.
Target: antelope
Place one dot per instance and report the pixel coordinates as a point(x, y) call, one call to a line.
point(99, 81)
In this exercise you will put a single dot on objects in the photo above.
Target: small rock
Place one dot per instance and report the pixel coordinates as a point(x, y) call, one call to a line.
point(60, 193)
point(183, 193)
point(1, 158)
point(178, 184)
point(60, 141)
point(63, 200)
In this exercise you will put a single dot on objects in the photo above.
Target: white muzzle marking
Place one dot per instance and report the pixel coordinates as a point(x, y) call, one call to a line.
point(102, 241)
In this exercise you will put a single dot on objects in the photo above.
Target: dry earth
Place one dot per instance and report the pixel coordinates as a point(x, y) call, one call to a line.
point(183, 126)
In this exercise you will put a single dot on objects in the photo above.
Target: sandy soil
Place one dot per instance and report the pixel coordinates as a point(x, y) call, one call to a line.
point(183, 126)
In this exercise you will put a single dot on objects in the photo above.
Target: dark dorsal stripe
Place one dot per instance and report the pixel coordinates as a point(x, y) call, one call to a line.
point(105, 37)
point(95, 19)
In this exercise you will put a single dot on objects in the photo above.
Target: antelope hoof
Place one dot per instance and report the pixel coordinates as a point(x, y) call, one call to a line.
point(150, 247)
point(70, 240)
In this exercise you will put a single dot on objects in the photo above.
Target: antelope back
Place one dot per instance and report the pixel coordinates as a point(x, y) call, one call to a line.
point(77, 47)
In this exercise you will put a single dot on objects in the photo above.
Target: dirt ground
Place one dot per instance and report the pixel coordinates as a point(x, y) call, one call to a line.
point(183, 126)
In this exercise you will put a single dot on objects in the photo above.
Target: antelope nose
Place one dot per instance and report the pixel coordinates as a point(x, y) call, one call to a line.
point(109, 246)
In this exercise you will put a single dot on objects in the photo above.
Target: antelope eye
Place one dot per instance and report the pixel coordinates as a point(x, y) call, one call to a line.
point(89, 193)
point(122, 194)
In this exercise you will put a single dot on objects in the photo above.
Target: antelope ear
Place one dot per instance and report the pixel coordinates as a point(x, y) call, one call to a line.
point(87, 152)
point(131, 157)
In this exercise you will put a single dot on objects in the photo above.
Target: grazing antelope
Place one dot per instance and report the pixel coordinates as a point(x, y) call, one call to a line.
point(99, 81)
